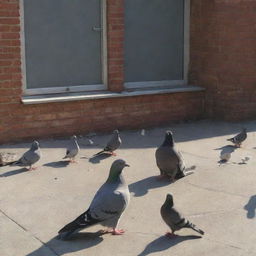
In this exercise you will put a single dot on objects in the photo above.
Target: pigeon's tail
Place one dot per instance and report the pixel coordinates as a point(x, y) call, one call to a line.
point(83, 221)
point(99, 153)
point(194, 227)
point(14, 163)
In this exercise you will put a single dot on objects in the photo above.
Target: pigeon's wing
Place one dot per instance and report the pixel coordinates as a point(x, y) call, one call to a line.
point(113, 144)
point(82, 221)
point(107, 205)
point(181, 164)
point(72, 150)
point(67, 153)
point(30, 157)
point(167, 160)
point(240, 137)
point(172, 218)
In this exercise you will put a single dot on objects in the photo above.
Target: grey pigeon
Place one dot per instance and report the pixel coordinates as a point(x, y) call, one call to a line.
point(112, 145)
point(169, 160)
point(72, 150)
point(107, 205)
point(174, 219)
point(30, 157)
point(239, 138)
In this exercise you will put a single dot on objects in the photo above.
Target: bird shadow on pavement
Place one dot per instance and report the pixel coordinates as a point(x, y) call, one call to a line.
point(164, 243)
point(77, 242)
point(99, 158)
point(141, 187)
point(227, 149)
point(250, 207)
point(58, 164)
point(14, 172)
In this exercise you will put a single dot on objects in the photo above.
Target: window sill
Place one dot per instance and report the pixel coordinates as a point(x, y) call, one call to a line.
point(39, 99)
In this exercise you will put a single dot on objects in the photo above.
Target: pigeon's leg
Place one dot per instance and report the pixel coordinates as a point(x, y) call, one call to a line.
point(118, 231)
point(172, 180)
point(32, 168)
point(170, 235)
point(162, 175)
point(73, 161)
point(113, 153)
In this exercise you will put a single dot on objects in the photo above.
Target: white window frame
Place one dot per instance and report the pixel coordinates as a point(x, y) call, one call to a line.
point(65, 89)
point(170, 83)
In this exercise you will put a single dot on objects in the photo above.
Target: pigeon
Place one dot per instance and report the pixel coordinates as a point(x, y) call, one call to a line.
point(239, 138)
point(169, 160)
point(107, 205)
point(72, 150)
point(112, 145)
point(30, 157)
point(174, 219)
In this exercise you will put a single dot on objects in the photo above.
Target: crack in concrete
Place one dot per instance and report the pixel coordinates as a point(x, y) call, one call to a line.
point(230, 245)
point(192, 154)
point(212, 212)
point(26, 230)
point(215, 190)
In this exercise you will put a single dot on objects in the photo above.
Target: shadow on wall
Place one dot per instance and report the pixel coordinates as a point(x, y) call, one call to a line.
point(250, 207)
point(163, 243)
point(153, 137)
point(77, 242)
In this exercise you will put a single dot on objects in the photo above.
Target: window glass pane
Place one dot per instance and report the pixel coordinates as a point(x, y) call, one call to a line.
point(154, 40)
point(61, 48)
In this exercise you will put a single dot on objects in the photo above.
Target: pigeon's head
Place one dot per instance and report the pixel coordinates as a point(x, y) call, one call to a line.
point(116, 169)
point(74, 137)
point(119, 164)
point(168, 139)
point(35, 145)
point(116, 132)
point(244, 129)
point(169, 199)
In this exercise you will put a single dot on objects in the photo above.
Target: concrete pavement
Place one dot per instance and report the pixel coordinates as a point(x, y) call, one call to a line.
point(220, 199)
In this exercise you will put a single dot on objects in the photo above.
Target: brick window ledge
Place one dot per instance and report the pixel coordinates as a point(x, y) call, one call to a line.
point(39, 99)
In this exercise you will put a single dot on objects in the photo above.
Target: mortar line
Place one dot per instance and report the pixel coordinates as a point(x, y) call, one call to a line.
point(38, 239)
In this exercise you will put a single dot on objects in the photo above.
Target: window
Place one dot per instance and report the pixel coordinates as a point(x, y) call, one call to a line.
point(63, 46)
point(156, 42)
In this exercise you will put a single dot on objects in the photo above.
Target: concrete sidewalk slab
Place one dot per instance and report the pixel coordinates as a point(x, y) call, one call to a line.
point(220, 199)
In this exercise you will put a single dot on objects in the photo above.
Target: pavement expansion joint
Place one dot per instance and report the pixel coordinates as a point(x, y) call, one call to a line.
point(38, 239)
point(216, 190)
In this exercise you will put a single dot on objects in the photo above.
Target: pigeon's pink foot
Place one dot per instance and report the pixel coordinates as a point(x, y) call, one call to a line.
point(32, 168)
point(113, 154)
point(73, 161)
point(118, 231)
point(170, 235)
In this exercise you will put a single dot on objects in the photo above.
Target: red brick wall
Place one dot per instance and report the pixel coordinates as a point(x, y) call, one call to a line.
point(115, 35)
point(223, 56)
point(19, 121)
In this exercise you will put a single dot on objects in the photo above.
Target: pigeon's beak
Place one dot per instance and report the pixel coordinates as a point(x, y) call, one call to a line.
point(127, 165)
